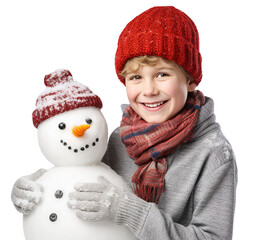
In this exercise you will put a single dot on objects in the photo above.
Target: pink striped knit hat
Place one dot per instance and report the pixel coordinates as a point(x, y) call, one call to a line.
point(62, 94)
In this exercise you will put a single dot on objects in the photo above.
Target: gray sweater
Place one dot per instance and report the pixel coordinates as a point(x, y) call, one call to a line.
point(198, 201)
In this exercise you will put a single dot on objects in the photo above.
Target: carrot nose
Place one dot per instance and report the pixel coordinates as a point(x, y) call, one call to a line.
point(78, 131)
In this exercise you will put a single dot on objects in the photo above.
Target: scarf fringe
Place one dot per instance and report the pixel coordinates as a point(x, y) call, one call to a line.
point(149, 193)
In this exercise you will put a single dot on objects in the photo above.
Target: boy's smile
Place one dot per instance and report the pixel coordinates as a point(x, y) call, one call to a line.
point(155, 106)
point(157, 93)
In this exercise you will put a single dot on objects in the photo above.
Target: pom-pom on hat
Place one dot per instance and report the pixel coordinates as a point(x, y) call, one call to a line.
point(165, 32)
point(62, 94)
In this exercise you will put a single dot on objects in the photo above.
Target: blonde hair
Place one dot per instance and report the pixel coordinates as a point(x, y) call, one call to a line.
point(134, 64)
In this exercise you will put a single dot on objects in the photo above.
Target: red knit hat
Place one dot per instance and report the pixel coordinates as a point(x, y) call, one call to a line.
point(165, 32)
point(62, 94)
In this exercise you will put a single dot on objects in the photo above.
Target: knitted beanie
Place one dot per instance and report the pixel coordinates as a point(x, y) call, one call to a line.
point(62, 94)
point(165, 32)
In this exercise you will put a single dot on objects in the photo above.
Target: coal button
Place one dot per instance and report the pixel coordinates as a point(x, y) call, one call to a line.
point(58, 194)
point(53, 217)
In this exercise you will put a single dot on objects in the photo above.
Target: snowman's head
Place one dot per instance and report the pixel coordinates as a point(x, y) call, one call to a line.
point(71, 128)
point(74, 138)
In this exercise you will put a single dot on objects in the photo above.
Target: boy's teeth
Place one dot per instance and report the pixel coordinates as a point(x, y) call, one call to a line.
point(153, 104)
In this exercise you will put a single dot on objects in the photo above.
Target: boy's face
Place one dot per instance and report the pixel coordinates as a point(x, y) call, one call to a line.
point(157, 93)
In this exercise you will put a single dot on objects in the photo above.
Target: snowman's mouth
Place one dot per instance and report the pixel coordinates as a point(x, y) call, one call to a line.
point(82, 149)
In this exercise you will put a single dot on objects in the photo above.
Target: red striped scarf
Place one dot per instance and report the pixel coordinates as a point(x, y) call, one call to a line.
point(149, 144)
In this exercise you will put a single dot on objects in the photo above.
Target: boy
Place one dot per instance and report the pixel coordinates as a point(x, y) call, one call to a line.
point(168, 146)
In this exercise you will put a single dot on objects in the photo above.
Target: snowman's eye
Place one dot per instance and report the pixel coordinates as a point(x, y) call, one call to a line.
point(88, 120)
point(62, 126)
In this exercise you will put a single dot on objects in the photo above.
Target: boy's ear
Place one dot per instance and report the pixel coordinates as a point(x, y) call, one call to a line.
point(191, 87)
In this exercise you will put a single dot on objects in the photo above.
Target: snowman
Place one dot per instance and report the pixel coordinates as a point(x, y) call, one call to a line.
point(72, 134)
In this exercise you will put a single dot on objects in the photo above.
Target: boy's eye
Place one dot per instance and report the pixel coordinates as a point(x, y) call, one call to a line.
point(135, 77)
point(162, 75)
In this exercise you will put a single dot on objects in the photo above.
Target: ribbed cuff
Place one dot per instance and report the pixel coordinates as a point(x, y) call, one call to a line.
point(132, 212)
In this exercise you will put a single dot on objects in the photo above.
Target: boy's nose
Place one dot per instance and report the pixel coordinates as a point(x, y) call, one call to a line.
point(78, 131)
point(150, 88)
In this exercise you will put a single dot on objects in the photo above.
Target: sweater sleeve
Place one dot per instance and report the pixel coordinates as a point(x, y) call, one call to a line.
point(213, 211)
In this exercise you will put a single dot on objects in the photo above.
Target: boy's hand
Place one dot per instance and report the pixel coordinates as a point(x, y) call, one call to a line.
point(26, 193)
point(96, 201)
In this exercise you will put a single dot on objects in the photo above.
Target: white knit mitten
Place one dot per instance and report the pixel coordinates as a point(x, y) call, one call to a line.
point(104, 201)
point(96, 201)
point(26, 193)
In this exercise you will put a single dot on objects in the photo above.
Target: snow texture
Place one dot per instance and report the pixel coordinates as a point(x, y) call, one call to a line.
point(66, 92)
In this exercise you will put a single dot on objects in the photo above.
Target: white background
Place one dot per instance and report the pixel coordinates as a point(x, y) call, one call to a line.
point(37, 37)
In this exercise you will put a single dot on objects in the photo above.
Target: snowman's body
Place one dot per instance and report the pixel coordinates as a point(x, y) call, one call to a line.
point(75, 141)
point(52, 219)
